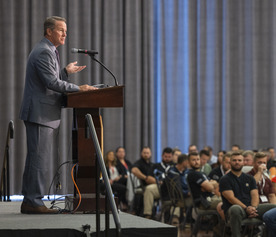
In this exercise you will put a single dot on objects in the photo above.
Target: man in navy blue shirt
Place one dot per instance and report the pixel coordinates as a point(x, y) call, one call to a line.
point(181, 170)
point(204, 191)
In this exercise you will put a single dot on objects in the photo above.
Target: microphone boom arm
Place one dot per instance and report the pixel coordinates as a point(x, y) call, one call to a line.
point(93, 57)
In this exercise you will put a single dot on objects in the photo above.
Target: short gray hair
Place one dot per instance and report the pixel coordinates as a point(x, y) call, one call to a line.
point(248, 152)
point(50, 23)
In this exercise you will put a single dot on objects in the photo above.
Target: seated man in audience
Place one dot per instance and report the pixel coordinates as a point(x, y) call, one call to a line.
point(166, 162)
point(151, 190)
point(271, 161)
point(218, 172)
point(235, 147)
point(192, 148)
point(181, 170)
point(270, 222)
point(204, 158)
point(160, 169)
point(248, 161)
point(240, 195)
point(264, 184)
point(176, 152)
point(204, 191)
point(213, 159)
point(143, 170)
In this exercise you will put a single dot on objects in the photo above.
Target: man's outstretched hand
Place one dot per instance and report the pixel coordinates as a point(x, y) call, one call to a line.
point(73, 68)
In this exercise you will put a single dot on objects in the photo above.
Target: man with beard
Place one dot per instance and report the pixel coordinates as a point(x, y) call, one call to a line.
point(143, 169)
point(203, 190)
point(240, 195)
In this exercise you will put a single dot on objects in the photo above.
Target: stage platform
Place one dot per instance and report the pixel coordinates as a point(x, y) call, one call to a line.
point(15, 224)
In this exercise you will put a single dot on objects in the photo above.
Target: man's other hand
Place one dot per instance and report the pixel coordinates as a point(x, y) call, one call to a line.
point(87, 88)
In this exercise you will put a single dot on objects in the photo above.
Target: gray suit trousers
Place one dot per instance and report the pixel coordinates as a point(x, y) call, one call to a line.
point(40, 141)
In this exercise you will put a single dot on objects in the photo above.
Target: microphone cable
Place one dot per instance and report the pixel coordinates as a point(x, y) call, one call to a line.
point(76, 186)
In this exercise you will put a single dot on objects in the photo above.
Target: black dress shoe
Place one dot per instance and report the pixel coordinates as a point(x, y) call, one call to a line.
point(28, 209)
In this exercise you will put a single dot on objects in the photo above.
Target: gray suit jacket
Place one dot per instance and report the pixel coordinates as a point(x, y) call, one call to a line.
point(44, 85)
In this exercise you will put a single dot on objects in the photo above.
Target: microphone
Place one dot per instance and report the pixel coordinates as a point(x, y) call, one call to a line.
point(85, 51)
point(92, 53)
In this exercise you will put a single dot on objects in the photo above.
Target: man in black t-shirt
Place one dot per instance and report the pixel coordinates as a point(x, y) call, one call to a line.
point(202, 189)
point(143, 169)
point(240, 195)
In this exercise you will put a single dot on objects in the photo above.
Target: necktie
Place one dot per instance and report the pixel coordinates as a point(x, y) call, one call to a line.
point(58, 60)
point(57, 54)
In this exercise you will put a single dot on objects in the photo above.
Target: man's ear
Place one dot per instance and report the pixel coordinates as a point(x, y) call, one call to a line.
point(49, 31)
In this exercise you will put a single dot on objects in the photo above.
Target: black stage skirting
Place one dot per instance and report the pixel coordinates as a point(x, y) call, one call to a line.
point(15, 224)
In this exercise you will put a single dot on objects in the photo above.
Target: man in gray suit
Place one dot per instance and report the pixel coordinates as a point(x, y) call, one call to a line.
point(41, 110)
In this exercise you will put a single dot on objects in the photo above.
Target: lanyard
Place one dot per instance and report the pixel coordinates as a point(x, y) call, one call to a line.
point(221, 169)
point(262, 182)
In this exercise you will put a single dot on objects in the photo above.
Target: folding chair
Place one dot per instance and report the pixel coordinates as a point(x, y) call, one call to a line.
point(138, 190)
point(248, 224)
point(176, 195)
point(211, 217)
point(165, 202)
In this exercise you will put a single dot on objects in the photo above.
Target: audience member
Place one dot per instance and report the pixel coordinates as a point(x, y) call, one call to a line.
point(124, 168)
point(116, 180)
point(271, 150)
point(181, 170)
point(270, 221)
point(218, 172)
point(201, 187)
point(176, 152)
point(143, 170)
point(248, 161)
point(166, 162)
point(220, 155)
point(248, 158)
point(271, 162)
point(264, 184)
point(235, 147)
point(213, 159)
point(204, 158)
point(151, 191)
point(240, 195)
point(192, 148)
point(123, 165)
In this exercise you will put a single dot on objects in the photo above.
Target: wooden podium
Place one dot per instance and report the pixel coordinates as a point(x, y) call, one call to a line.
point(83, 148)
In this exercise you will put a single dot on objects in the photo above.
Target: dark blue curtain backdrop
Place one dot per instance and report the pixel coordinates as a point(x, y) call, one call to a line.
point(214, 74)
point(171, 70)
